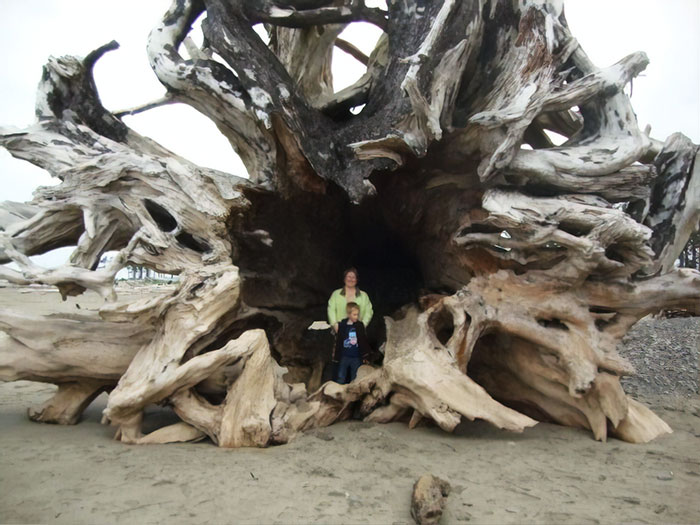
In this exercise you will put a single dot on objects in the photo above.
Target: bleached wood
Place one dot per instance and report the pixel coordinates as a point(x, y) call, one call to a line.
point(250, 401)
point(529, 265)
point(69, 402)
point(641, 425)
point(176, 433)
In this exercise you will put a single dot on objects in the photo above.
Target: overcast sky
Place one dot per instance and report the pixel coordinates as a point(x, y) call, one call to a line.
point(667, 96)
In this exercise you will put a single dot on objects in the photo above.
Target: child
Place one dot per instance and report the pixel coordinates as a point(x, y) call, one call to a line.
point(351, 347)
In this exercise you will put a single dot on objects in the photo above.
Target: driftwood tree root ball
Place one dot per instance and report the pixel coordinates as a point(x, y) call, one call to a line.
point(507, 268)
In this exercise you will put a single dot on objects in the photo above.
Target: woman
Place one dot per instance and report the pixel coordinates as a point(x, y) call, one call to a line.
point(349, 293)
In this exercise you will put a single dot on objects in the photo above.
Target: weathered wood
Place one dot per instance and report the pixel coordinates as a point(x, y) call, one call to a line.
point(508, 276)
point(429, 499)
point(68, 404)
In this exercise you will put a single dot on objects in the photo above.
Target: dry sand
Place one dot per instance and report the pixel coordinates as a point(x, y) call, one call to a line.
point(351, 472)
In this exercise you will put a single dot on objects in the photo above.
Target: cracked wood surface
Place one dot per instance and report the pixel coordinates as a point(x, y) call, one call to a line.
point(507, 276)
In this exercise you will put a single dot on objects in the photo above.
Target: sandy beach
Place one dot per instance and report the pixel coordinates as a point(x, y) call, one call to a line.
point(352, 472)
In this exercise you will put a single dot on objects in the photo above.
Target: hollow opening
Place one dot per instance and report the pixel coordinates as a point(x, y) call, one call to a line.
point(193, 243)
point(389, 274)
point(162, 217)
point(602, 324)
point(442, 324)
point(553, 323)
point(576, 230)
point(292, 253)
point(356, 40)
point(601, 310)
point(482, 228)
point(214, 387)
point(494, 365)
point(612, 252)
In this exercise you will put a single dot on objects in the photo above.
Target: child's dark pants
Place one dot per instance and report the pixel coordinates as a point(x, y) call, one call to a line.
point(347, 369)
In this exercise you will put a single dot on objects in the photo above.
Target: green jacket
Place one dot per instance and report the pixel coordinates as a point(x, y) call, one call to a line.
point(337, 307)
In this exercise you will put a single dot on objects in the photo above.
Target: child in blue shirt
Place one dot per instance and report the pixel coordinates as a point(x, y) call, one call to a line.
point(351, 346)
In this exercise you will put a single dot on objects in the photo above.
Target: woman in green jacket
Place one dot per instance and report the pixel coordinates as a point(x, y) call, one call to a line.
point(349, 293)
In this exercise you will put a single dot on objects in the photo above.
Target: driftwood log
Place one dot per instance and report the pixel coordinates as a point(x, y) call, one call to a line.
point(508, 268)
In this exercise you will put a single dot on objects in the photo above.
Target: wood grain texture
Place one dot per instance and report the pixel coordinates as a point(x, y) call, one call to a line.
point(507, 269)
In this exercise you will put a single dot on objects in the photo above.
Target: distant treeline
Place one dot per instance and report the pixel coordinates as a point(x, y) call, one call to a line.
point(141, 273)
point(690, 256)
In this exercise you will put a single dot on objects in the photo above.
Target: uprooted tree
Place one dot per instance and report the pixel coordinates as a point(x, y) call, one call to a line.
point(509, 268)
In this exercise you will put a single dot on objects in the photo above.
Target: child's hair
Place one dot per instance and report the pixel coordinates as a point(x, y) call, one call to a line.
point(352, 306)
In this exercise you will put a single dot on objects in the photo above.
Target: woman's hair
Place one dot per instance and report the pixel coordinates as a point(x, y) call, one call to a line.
point(351, 270)
point(358, 292)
